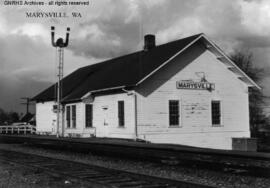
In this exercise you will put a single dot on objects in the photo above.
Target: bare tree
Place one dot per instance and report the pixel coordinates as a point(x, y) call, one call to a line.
point(8, 117)
point(244, 60)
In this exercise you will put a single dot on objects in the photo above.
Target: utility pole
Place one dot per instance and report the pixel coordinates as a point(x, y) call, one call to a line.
point(27, 103)
point(60, 45)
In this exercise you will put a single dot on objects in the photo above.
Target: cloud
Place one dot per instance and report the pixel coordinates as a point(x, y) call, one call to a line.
point(28, 66)
point(118, 27)
point(13, 90)
point(111, 28)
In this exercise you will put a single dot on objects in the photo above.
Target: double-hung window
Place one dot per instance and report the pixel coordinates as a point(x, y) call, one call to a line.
point(121, 113)
point(73, 115)
point(174, 112)
point(68, 116)
point(216, 113)
point(88, 115)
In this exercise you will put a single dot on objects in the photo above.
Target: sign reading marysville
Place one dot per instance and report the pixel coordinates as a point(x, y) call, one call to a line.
point(195, 85)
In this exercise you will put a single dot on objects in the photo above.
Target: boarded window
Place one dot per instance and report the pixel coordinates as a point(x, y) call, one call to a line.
point(88, 115)
point(73, 109)
point(174, 112)
point(121, 113)
point(68, 116)
point(216, 114)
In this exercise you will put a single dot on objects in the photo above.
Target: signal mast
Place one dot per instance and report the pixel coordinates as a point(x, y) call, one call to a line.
point(60, 45)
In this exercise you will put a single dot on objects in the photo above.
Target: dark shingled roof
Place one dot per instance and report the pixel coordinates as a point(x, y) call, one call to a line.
point(126, 70)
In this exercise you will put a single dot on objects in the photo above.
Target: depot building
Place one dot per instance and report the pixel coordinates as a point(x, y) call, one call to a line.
point(183, 92)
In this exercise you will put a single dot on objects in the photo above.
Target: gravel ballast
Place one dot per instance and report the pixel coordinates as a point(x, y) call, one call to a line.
point(15, 176)
point(207, 177)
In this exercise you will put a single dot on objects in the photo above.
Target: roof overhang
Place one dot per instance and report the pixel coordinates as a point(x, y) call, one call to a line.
point(88, 94)
point(221, 56)
point(91, 93)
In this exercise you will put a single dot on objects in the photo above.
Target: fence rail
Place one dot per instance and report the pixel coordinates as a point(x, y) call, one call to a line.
point(17, 129)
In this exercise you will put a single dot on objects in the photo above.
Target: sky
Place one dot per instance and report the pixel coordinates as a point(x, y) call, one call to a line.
point(110, 28)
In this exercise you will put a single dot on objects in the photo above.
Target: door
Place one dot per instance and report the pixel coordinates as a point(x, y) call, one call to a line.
point(105, 123)
point(54, 126)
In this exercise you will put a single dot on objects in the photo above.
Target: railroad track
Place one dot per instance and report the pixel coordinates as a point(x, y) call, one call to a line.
point(232, 162)
point(98, 176)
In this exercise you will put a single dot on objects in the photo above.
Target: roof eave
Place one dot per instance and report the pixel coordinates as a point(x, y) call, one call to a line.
point(89, 93)
point(244, 77)
point(231, 65)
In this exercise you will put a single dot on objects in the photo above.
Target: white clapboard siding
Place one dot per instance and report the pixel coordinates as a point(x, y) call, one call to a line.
point(105, 117)
point(45, 118)
point(195, 105)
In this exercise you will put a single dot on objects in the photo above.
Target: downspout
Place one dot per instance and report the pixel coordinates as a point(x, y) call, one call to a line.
point(135, 111)
point(135, 114)
point(63, 120)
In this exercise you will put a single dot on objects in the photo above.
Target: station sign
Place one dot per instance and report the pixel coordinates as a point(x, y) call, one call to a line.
point(195, 85)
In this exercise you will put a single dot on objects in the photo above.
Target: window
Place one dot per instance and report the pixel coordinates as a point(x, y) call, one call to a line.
point(73, 115)
point(88, 115)
point(216, 114)
point(121, 113)
point(174, 112)
point(68, 116)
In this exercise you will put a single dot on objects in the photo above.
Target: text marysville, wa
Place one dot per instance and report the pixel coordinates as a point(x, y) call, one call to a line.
point(52, 15)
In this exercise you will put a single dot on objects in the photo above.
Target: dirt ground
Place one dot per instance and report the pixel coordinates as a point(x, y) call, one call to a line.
point(16, 176)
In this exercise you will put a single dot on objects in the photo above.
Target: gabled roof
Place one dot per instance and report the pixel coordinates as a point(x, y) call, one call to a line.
point(125, 71)
point(221, 56)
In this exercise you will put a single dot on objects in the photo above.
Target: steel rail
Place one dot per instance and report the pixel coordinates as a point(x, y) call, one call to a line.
point(96, 175)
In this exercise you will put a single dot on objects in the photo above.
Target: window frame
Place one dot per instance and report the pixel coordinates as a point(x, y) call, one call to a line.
point(178, 124)
point(73, 116)
point(121, 113)
point(220, 113)
point(68, 119)
point(88, 119)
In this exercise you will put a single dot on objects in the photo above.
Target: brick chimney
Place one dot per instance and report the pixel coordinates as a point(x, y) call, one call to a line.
point(149, 42)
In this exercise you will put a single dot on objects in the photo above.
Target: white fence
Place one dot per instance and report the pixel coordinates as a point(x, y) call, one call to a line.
point(18, 129)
